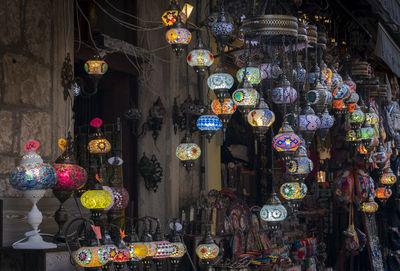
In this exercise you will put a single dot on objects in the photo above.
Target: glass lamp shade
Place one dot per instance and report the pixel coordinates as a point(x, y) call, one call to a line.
point(207, 251)
point(380, 157)
point(96, 199)
point(284, 95)
point(319, 97)
point(164, 249)
point(352, 101)
point(341, 92)
point(138, 251)
point(92, 256)
point(309, 121)
point(70, 177)
point(151, 249)
point(293, 191)
point(362, 149)
point(112, 251)
point(96, 66)
point(300, 73)
point(200, 59)
point(300, 165)
point(369, 207)
point(228, 107)
point(208, 122)
point(261, 117)
point(366, 133)
point(286, 142)
point(33, 173)
point(99, 146)
point(253, 75)
point(351, 137)
point(120, 198)
point(178, 38)
point(179, 250)
point(270, 71)
point(245, 98)
point(220, 81)
point(327, 120)
point(371, 117)
point(383, 193)
point(326, 75)
point(222, 29)
point(76, 89)
point(350, 83)
point(355, 118)
point(273, 210)
point(170, 16)
point(388, 178)
point(122, 255)
point(314, 74)
point(188, 151)
point(336, 80)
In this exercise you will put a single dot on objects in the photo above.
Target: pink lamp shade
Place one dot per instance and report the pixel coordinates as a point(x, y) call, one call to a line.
point(120, 198)
point(71, 177)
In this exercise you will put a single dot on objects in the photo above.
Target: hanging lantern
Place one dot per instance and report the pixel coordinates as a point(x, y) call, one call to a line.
point(300, 165)
point(336, 80)
point(188, 151)
point(300, 73)
point(270, 70)
point(76, 88)
point(326, 74)
point(179, 250)
point(200, 59)
point(314, 74)
point(286, 142)
point(350, 83)
point(273, 212)
point(96, 66)
point(245, 98)
point(366, 133)
point(342, 92)
point(383, 193)
point(252, 74)
point(338, 105)
point(319, 97)
point(261, 118)
point(92, 256)
point(170, 16)
point(355, 118)
point(371, 117)
point(309, 123)
point(120, 198)
point(352, 101)
point(369, 207)
point(224, 110)
point(352, 138)
point(220, 83)
point(208, 125)
point(388, 177)
point(97, 199)
point(99, 144)
point(33, 177)
point(222, 29)
point(284, 94)
point(207, 250)
point(380, 157)
point(178, 37)
point(327, 122)
point(293, 193)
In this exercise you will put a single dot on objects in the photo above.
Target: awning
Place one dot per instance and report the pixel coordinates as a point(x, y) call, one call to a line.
point(388, 50)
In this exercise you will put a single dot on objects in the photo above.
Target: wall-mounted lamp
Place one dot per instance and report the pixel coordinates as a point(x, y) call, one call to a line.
point(151, 171)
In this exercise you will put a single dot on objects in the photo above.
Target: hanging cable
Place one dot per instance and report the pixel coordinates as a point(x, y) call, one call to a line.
point(88, 22)
point(130, 15)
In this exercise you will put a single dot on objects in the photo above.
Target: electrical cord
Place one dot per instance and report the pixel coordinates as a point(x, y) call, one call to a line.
point(130, 15)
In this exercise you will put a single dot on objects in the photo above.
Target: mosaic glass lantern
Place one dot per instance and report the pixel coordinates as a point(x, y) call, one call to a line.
point(327, 122)
point(309, 123)
point(388, 177)
point(137, 250)
point(76, 88)
point(314, 74)
point(224, 110)
point(339, 105)
point(383, 193)
point(96, 66)
point(33, 177)
point(293, 192)
point(121, 257)
point(179, 250)
point(220, 83)
point(253, 75)
point(352, 101)
point(350, 83)
point(207, 250)
point(369, 207)
point(164, 249)
point(170, 16)
point(92, 256)
point(98, 199)
point(222, 29)
point(319, 98)
point(366, 133)
point(300, 165)
point(120, 198)
point(355, 118)
point(245, 98)
point(352, 138)
point(188, 151)
point(326, 74)
point(371, 117)
point(273, 212)
point(284, 95)
point(270, 71)
point(200, 59)
point(286, 142)
point(151, 249)
point(261, 118)
point(98, 144)
point(380, 157)
point(342, 92)
point(208, 125)
point(178, 37)
point(300, 73)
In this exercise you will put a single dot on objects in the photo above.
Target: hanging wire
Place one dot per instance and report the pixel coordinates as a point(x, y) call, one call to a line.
point(89, 27)
point(130, 15)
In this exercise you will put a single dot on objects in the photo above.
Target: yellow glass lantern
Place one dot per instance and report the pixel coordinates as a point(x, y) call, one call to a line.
point(99, 144)
point(138, 251)
point(96, 199)
point(388, 178)
point(383, 193)
point(92, 256)
point(369, 207)
point(96, 66)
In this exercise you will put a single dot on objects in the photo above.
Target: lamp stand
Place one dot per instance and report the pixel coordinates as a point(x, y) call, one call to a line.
point(35, 217)
point(61, 215)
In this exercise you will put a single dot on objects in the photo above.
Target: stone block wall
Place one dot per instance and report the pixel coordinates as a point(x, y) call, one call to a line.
point(34, 39)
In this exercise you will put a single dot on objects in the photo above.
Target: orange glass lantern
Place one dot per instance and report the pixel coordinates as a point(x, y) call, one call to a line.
point(383, 193)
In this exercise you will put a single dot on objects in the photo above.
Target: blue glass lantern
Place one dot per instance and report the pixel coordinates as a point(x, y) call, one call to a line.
point(223, 29)
point(208, 125)
point(300, 165)
point(327, 122)
point(286, 142)
point(309, 123)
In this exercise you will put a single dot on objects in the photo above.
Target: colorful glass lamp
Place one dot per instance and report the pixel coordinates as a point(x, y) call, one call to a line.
point(284, 95)
point(245, 98)
point(96, 200)
point(200, 59)
point(261, 118)
point(380, 157)
point(220, 83)
point(96, 256)
point(319, 98)
point(286, 142)
point(208, 125)
point(207, 250)
point(300, 165)
point(178, 37)
point(351, 102)
point(252, 74)
point(222, 29)
point(188, 151)
point(71, 177)
point(95, 68)
point(98, 144)
point(33, 177)
point(273, 212)
point(327, 122)
point(383, 194)
point(171, 14)
point(293, 192)
point(309, 123)
point(388, 178)
point(223, 110)
point(355, 118)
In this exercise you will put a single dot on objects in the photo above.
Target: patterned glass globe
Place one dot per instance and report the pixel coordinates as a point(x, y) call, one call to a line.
point(207, 251)
point(327, 122)
point(366, 133)
point(319, 97)
point(99, 144)
point(356, 118)
point(179, 250)
point(380, 157)
point(341, 92)
point(208, 125)
point(352, 101)
point(200, 59)
point(253, 75)
point(188, 151)
point(273, 212)
point(228, 107)
point(138, 251)
point(270, 71)
point(293, 191)
point(300, 165)
point(388, 177)
point(222, 29)
point(120, 198)
point(261, 118)
point(92, 256)
point(96, 199)
point(309, 123)
point(371, 117)
point(96, 66)
point(178, 37)
point(336, 80)
point(245, 98)
point(220, 83)
point(286, 142)
point(284, 95)
point(350, 83)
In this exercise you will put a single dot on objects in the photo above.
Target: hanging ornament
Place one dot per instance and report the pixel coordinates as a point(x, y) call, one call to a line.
point(326, 74)
point(220, 83)
point(351, 137)
point(300, 165)
point(284, 95)
point(327, 122)
point(314, 74)
point(200, 59)
point(286, 142)
point(98, 144)
point(355, 118)
point(273, 212)
point(223, 29)
point(252, 74)
point(261, 118)
point(319, 97)
point(342, 92)
point(383, 194)
point(223, 110)
point(388, 177)
point(208, 125)
point(293, 192)
point(351, 102)
point(336, 80)
point(270, 70)
point(366, 133)
point(371, 117)
point(246, 98)
point(178, 37)
point(309, 123)
point(350, 83)
point(170, 16)
point(188, 152)
point(299, 73)
point(95, 68)
point(380, 157)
